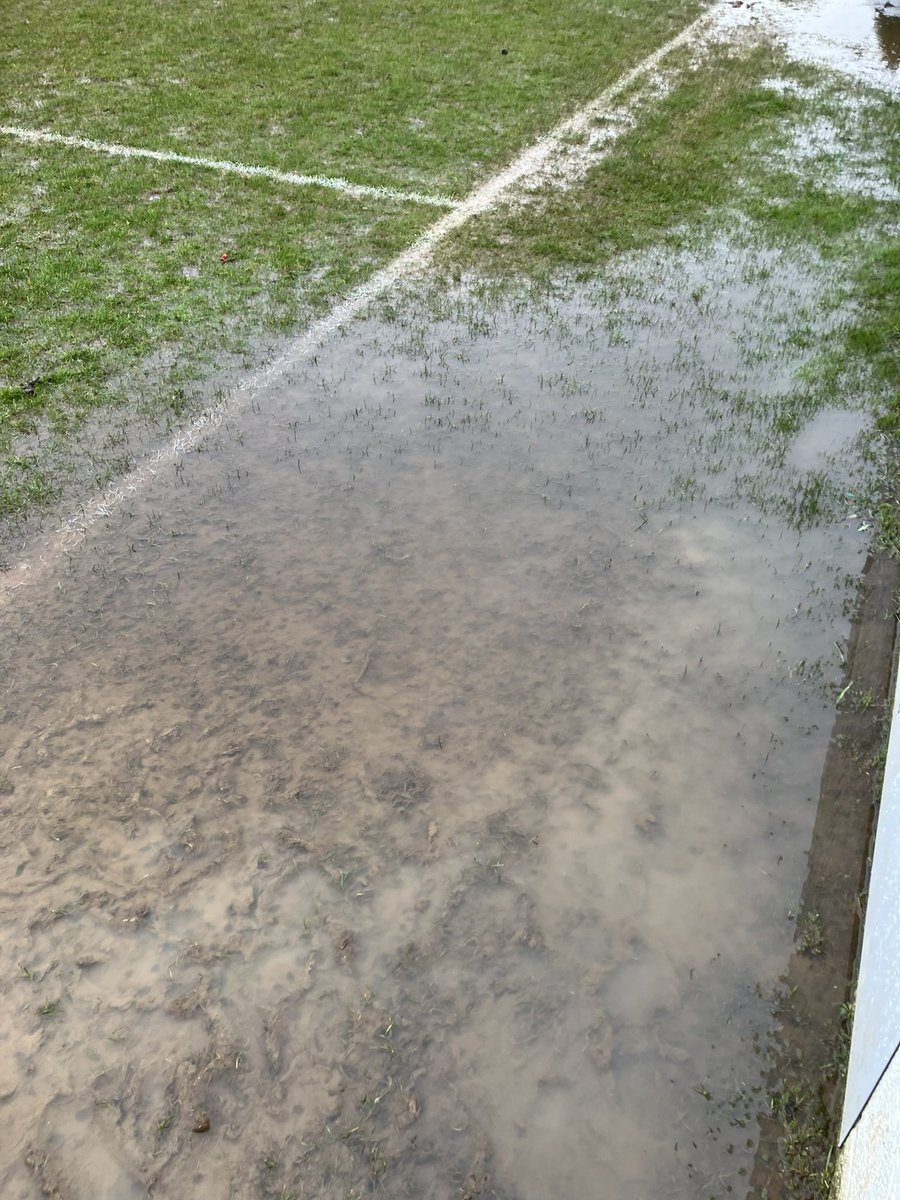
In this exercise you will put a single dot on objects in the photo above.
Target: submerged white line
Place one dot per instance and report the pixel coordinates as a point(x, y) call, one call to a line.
point(334, 183)
point(527, 166)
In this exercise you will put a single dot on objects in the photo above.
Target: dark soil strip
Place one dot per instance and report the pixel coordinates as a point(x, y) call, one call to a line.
point(797, 1138)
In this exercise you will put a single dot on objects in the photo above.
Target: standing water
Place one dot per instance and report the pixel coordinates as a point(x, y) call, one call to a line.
point(412, 795)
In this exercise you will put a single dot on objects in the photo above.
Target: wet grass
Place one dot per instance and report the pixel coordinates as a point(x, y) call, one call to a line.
point(682, 161)
point(385, 93)
point(797, 163)
point(130, 299)
point(792, 160)
point(720, 145)
point(114, 289)
point(875, 333)
point(874, 337)
point(805, 1114)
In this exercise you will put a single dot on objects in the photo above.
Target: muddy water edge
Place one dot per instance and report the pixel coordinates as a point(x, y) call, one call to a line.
point(796, 1155)
point(412, 792)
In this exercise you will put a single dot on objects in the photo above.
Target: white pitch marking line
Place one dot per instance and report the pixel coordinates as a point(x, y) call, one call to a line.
point(335, 183)
point(529, 164)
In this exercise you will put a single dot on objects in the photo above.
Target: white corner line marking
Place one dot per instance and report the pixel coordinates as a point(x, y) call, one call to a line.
point(535, 158)
point(334, 183)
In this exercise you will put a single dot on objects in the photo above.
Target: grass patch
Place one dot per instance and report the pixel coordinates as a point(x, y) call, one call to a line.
point(804, 1112)
point(790, 160)
point(875, 333)
point(141, 267)
point(724, 147)
point(681, 163)
point(719, 147)
point(384, 92)
point(112, 269)
point(89, 291)
point(112, 284)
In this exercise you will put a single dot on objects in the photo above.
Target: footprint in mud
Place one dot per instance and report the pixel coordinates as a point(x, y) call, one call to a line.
point(345, 946)
point(529, 933)
point(599, 1045)
point(648, 824)
point(478, 1181)
point(404, 788)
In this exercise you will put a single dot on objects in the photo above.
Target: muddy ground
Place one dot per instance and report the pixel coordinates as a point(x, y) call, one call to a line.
point(410, 793)
point(798, 1133)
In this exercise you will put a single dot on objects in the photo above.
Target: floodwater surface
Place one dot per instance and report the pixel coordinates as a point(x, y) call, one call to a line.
point(409, 794)
point(858, 38)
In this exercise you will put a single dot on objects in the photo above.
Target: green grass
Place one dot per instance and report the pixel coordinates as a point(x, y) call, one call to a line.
point(717, 146)
point(875, 333)
point(680, 163)
point(138, 266)
point(112, 290)
point(719, 155)
point(382, 91)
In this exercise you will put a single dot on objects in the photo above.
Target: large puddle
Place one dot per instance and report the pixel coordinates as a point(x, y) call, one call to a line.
point(856, 38)
point(411, 795)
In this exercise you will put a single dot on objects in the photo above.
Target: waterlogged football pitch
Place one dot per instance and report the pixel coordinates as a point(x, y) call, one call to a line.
point(443, 446)
point(111, 259)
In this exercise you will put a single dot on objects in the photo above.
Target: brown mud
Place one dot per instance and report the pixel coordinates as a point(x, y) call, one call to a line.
point(410, 794)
